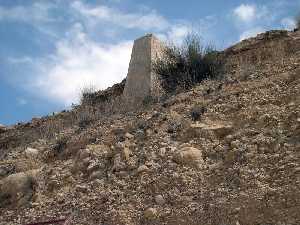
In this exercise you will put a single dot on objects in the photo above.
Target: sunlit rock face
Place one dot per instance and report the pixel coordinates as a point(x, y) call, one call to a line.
point(141, 80)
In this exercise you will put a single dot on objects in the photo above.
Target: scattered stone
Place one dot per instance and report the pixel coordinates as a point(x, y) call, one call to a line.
point(100, 151)
point(98, 182)
point(142, 169)
point(220, 130)
point(140, 135)
point(96, 175)
point(119, 133)
point(83, 154)
point(118, 164)
point(174, 126)
point(93, 167)
point(31, 152)
point(159, 199)
point(150, 213)
point(297, 169)
point(129, 136)
point(162, 152)
point(126, 153)
point(81, 188)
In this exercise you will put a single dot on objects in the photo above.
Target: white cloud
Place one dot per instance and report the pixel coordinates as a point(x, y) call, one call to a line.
point(37, 15)
point(178, 32)
point(102, 13)
point(80, 62)
point(252, 19)
point(37, 12)
point(251, 32)
point(245, 12)
point(175, 34)
point(19, 60)
point(21, 101)
point(288, 23)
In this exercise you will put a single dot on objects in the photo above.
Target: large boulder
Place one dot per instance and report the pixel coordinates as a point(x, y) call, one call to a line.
point(189, 156)
point(17, 189)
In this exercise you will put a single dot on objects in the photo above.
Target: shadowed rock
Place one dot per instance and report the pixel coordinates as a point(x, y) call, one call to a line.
point(17, 189)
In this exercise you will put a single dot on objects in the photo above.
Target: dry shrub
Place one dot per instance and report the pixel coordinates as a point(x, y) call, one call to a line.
point(247, 71)
point(184, 66)
point(27, 164)
point(197, 112)
point(87, 95)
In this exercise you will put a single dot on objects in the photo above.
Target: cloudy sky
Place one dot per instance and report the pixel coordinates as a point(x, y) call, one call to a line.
point(50, 49)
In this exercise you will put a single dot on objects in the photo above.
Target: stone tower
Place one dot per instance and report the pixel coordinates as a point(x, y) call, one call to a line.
point(141, 80)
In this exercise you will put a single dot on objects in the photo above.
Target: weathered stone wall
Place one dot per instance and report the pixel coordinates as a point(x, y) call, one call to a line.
point(141, 81)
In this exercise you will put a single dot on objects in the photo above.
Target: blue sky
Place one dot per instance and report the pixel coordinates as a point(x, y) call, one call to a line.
point(51, 49)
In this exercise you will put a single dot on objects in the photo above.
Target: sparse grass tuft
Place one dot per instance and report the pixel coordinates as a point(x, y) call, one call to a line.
point(87, 94)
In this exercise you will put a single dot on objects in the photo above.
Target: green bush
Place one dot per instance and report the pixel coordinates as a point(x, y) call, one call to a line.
point(181, 67)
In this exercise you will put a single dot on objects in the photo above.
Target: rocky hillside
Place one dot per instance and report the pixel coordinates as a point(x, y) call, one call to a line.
point(225, 152)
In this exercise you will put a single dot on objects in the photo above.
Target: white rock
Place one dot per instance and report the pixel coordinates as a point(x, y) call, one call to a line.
point(162, 152)
point(129, 136)
point(31, 152)
point(150, 213)
point(81, 188)
point(96, 175)
point(142, 169)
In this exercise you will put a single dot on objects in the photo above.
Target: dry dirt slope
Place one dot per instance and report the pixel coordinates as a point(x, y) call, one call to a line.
point(235, 160)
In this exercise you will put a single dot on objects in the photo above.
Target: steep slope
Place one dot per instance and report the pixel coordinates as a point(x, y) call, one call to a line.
point(225, 152)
